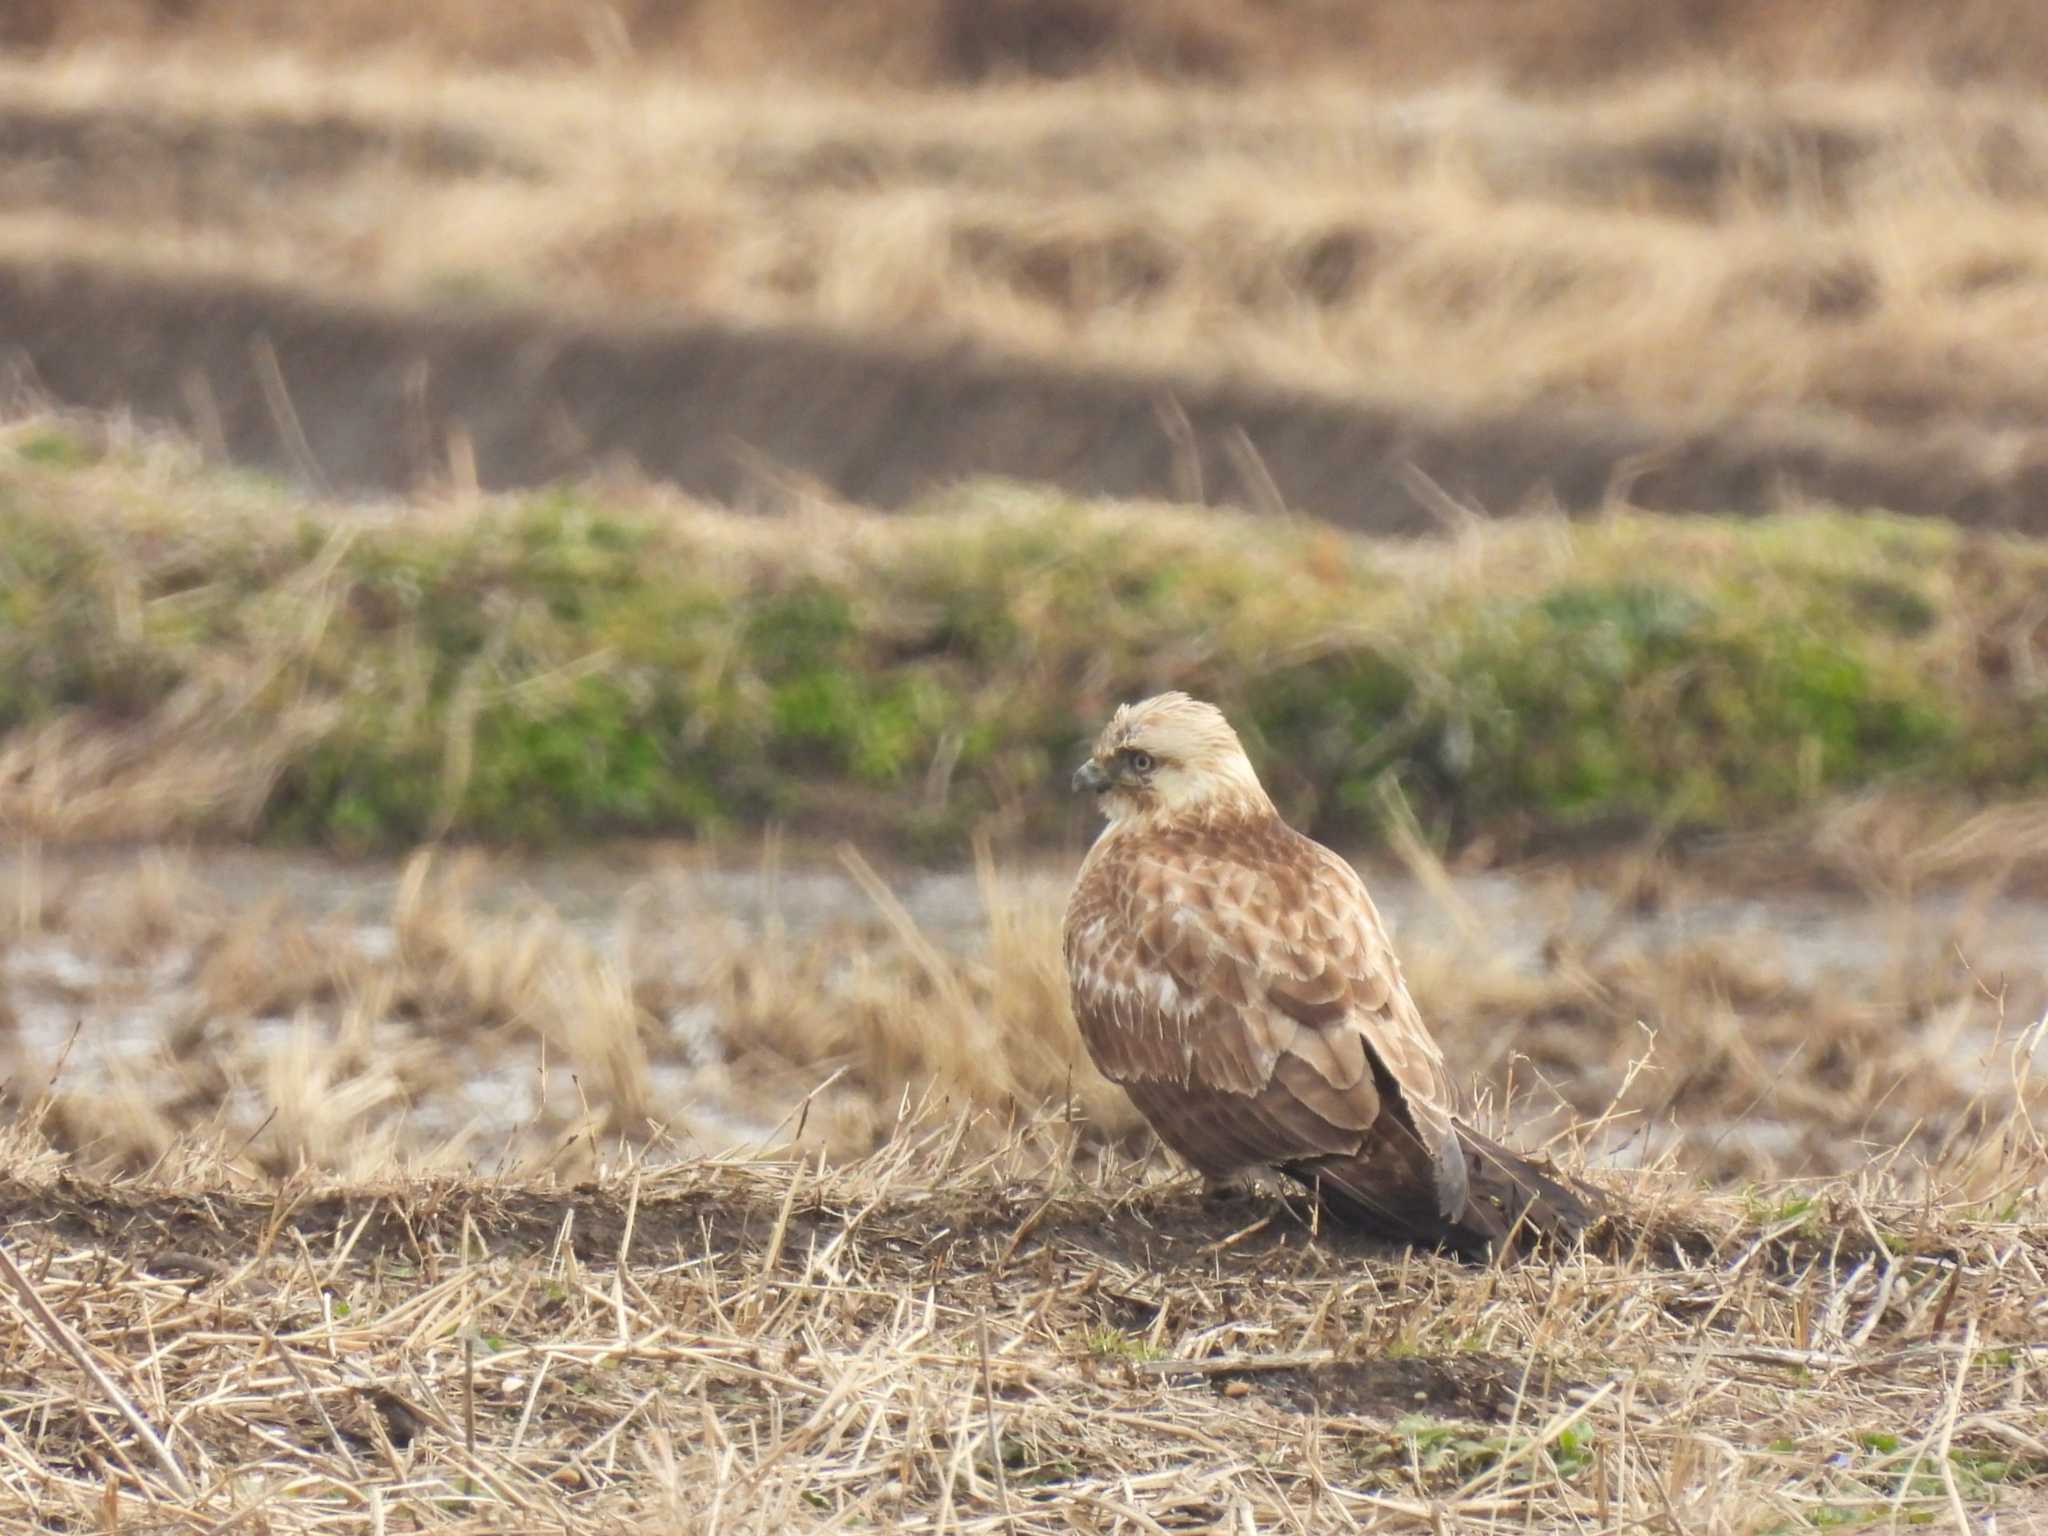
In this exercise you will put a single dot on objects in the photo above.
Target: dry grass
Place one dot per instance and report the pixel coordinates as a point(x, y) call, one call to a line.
point(375, 1197)
point(1864, 255)
point(453, 1013)
point(477, 1194)
point(926, 1341)
point(248, 1272)
point(437, 1023)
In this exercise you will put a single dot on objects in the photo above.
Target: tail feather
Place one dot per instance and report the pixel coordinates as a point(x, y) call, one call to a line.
point(1510, 1203)
point(1533, 1203)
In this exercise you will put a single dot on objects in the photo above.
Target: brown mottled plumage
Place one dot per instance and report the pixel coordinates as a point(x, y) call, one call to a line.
point(1236, 979)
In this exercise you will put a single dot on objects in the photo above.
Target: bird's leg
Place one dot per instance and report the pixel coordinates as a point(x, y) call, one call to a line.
point(1235, 1188)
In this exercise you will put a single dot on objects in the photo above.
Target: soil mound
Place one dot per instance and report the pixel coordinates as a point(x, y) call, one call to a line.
point(383, 398)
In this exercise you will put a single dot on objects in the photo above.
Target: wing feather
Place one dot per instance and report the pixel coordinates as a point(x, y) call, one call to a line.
point(1349, 1105)
point(1251, 970)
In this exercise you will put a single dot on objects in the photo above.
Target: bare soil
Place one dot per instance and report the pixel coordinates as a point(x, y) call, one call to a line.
point(768, 1346)
point(946, 1232)
point(989, 1240)
point(136, 163)
point(369, 398)
point(1698, 294)
point(1537, 44)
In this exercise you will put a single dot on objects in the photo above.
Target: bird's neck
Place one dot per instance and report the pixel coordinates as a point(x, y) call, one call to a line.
point(1211, 816)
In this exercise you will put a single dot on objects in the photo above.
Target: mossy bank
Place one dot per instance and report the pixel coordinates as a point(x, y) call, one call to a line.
point(186, 650)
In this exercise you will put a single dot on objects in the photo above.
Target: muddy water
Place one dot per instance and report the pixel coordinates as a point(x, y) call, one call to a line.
point(105, 1004)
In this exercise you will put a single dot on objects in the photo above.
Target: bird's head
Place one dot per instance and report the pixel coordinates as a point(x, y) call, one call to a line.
point(1169, 757)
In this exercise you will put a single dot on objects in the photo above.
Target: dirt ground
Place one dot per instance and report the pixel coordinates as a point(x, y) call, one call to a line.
point(1556, 44)
point(925, 1343)
point(372, 397)
point(1709, 294)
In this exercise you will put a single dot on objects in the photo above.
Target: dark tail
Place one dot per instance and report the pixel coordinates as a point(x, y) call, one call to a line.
point(1504, 1202)
point(1529, 1205)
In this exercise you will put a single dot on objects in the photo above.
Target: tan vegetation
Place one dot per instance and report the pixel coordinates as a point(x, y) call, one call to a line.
point(437, 1022)
point(999, 1318)
point(714, 1187)
point(1853, 261)
point(921, 1341)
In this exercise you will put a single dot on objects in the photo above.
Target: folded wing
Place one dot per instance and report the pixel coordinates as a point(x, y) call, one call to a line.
point(1245, 994)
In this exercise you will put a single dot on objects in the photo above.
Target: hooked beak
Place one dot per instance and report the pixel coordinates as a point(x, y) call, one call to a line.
point(1089, 778)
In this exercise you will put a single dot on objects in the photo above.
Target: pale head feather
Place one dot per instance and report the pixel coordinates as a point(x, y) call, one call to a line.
point(1198, 768)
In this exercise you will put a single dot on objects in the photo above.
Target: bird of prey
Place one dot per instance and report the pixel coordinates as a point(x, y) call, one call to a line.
point(1235, 978)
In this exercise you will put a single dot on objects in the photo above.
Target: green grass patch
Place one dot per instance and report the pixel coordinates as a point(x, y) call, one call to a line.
point(1449, 1450)
point(565, 665)
point(1114, 1344)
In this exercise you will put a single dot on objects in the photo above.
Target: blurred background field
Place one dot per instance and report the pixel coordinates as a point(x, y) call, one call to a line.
point(1799, 254)
point(555, 559)
point(1554, 436)
point(1764, 792)
point(379, 376)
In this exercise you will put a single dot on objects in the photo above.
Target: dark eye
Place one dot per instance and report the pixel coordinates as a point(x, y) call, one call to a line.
point(1142, 761)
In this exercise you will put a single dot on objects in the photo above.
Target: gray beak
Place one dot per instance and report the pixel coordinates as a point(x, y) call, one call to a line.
point(1089, 779)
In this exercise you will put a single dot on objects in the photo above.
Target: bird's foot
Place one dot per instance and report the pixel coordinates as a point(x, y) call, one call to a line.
point(1239, 1188)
